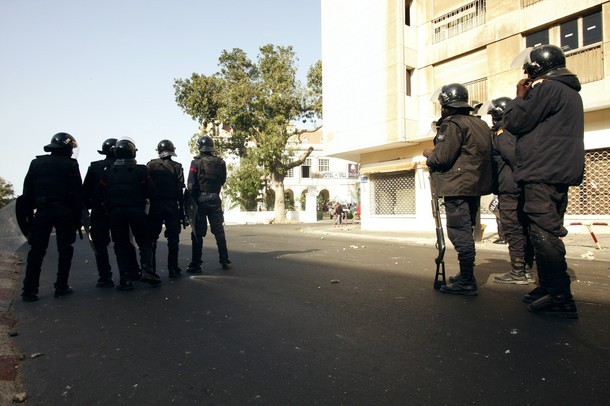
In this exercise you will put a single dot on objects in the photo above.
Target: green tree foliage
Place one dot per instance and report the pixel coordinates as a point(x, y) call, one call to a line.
point(7, 193)
point(258, 101)
point(245, 184)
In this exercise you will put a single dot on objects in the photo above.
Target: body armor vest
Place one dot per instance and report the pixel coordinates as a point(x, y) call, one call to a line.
point(124, 186)
point(210, 173)
point(165, 176)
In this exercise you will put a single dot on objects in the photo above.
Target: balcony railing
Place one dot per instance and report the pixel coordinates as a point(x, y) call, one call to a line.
point(587, 63)
point(460, 20)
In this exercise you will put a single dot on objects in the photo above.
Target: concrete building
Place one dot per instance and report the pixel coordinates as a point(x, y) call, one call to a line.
point(383, 59)
point(331, 179)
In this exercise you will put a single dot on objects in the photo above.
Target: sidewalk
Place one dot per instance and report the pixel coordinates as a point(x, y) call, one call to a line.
point(579, 243)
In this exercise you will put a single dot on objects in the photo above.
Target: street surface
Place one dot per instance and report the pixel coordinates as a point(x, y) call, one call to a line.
point(308, 318)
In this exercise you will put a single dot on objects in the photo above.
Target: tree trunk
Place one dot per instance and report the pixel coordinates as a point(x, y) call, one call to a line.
point(279, 208)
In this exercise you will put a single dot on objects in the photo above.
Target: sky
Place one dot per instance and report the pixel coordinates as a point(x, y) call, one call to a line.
point(101, 69)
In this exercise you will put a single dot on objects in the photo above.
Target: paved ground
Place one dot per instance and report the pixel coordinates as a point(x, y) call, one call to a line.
point(581, 248)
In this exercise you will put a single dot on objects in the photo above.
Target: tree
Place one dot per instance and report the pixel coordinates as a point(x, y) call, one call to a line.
point(259, 102)
point(7, 193)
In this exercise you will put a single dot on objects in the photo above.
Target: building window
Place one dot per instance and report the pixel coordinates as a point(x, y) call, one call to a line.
point(393, 193)
point(592, 29)
point(323, 165)
point(537, 38)
point(460, 20)
point(408, 12)
point(409, 78)
point(581, 32)
point(477, 91)
point(592, 196)
point(306, 168)
point(569, 35)
point(290, 173)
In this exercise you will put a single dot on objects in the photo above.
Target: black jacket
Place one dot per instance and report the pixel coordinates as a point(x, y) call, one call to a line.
point(503, 161)
point(461, 162)
point(549, 125)
point(91, 184)
point(54, 180)
point(168, 177)
point(126, 184)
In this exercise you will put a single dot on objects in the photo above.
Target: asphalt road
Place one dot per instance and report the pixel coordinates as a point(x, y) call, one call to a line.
point(305, 319)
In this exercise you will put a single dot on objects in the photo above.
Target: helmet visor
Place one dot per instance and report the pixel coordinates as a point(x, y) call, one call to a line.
point(521, 59)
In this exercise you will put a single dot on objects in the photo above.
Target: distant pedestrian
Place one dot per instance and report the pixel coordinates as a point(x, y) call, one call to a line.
point(167, 205)
point(207, 175)
point(52, 187)
point(99, 218)
point(547, 117)
point(338, 214)
point(127, 187)
point(460, 170)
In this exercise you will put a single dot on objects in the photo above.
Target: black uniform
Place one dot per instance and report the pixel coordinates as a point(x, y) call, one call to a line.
point(53, 187)
point(549, 125)
point(510, 206)
point(100, 222)
point(126, 187)
point(207, 174)
point(167, 207)
point(461, 172)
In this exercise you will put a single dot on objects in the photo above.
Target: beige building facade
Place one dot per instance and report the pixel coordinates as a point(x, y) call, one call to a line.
point(383, 60)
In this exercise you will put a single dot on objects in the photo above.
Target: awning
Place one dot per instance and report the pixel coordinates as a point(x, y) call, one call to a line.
point(391, 166)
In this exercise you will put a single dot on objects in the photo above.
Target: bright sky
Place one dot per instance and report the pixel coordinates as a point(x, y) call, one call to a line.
point(101, 69)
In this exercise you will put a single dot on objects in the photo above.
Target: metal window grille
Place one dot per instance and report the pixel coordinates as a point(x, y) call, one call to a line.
point(477, 93)
point(527, 3)
point(460, 20)
point(393, 193)
point(592, 197)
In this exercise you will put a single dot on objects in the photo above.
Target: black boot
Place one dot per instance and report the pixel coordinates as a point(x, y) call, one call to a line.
point(454, 278)
point(62, 289)
point(465, 285)
point(517, 274)
point(535, 294)
point(559, 305)
point(125, 285)
point(174, 271)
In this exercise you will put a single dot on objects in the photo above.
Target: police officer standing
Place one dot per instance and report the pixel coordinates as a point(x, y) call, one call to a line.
point(52, 187)
point(509, 203)
point(167, 204)
point(207, 174)
point(547, 117)
point(99, 218)
point(460, 169)
point(127, 187)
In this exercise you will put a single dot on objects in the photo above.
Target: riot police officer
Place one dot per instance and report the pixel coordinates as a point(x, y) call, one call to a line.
point(52, 187)
point(207, 174)
point(547, 117)
point(167, 204)
point(510, 205)
point(460, 168)
point(99, 218)
point(127, 187)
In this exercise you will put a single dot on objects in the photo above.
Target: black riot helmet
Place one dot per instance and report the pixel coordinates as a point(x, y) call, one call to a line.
point(107, 147)
point(542, 59)
point(496, 108)
point(125, 148)
point(454, 95)
point(61, 141)
point(206, 144)
point(166, 148)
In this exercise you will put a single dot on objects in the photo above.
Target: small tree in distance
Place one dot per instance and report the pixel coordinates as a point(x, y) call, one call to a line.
point(259, 102)
point(7, 193)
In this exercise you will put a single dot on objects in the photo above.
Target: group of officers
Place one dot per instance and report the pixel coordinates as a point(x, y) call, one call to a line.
point(535, 153)
point(120, 201)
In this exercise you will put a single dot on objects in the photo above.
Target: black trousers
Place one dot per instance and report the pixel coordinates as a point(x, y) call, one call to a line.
point(46, 218)
point(122, 220)
point(544, 206)
point(209, 208)
point(100, 236)
point(514, 224)
point(461, 213)
point(168, 212)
